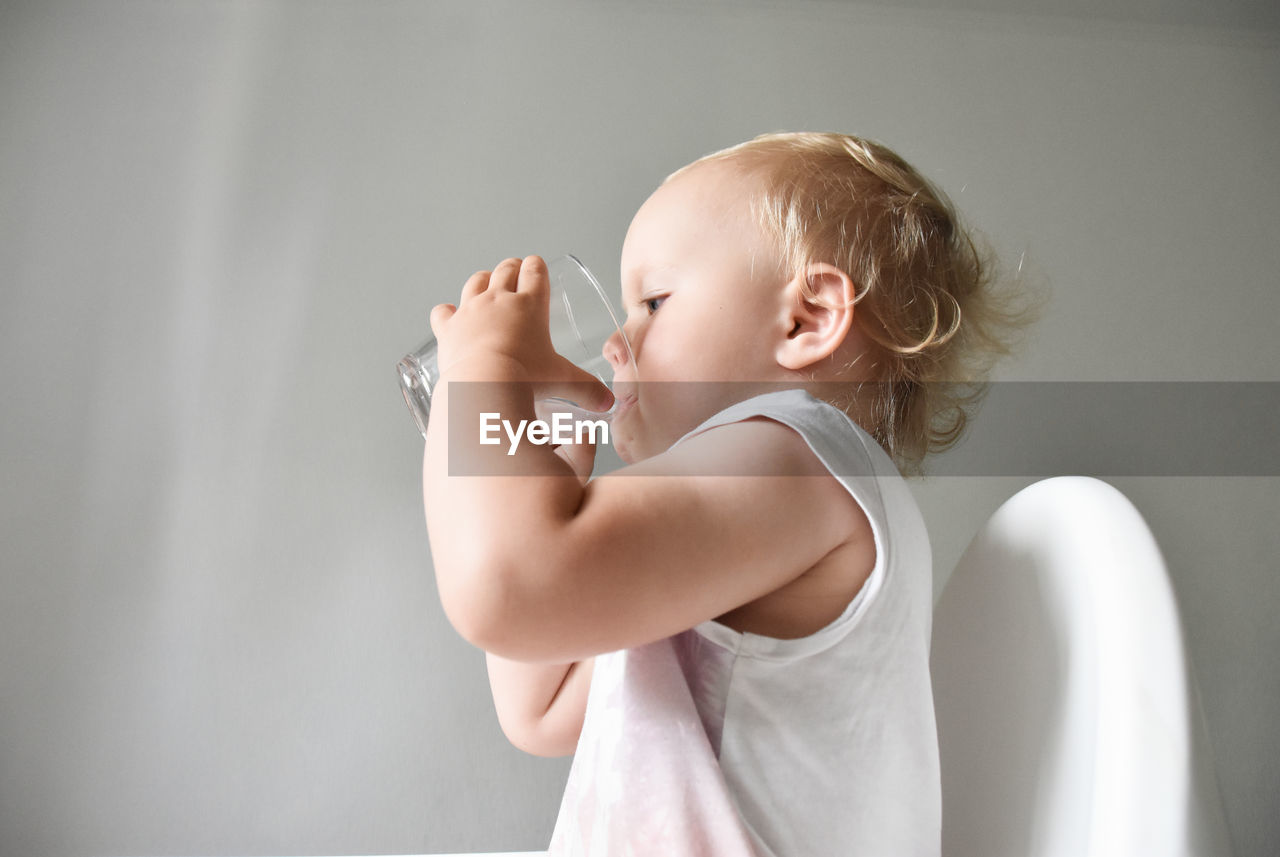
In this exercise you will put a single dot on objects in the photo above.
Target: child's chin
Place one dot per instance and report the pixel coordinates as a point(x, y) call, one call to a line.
point(635, 436)
point(626, 446)
point(634, 452)
point(629, 447)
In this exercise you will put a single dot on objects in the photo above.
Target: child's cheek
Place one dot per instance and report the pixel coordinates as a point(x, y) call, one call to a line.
point(662, 358)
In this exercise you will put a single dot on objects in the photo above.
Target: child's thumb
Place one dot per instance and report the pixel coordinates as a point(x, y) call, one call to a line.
point(440, 314)
point(582, 388)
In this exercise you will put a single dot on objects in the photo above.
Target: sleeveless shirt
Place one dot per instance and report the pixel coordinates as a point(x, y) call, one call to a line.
point(720, 743)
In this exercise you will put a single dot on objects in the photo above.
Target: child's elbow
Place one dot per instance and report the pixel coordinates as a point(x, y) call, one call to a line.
point(538, 738)
point(504, 604)
point(472, 592)
point(469, 621)
point(490, 609)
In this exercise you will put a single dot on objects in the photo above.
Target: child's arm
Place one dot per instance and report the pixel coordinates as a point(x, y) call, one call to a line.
point(540, 706)
point(538, 569)
point(541, 568)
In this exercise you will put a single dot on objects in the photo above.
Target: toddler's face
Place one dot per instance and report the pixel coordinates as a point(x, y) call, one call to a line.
point(705, 303)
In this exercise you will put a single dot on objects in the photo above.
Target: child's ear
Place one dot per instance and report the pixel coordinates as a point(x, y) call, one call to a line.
point(819, 315)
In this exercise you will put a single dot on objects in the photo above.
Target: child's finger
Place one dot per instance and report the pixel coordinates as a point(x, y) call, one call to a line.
point(533, 275)
point(476, 283)
point(506, 276)
point(580, 386)
point(439, 315)
point(580, 452)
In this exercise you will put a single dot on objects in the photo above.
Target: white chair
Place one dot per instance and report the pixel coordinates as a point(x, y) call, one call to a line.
point(1068, 721)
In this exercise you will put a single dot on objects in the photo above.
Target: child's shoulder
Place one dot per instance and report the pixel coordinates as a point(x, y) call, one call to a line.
point(806, 427)
point(750, 444)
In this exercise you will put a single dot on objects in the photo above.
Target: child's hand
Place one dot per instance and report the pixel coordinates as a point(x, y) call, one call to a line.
point(503, 315)
point(580, 455)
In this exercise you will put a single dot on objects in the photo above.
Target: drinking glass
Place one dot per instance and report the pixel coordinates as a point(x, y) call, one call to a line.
point(581, 320)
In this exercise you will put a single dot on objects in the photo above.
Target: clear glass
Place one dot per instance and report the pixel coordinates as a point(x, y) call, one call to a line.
point(582, 318)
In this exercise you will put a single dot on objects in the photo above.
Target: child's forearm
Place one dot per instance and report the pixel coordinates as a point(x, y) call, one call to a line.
point(540, 706)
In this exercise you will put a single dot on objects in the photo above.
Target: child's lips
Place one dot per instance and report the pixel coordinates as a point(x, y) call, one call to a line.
point(625, 393)
point(622, 403)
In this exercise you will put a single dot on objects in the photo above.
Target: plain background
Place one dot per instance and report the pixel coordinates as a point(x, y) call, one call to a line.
point(222, 223)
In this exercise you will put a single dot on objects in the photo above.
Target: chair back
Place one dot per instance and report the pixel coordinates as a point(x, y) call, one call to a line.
point(1068, 722)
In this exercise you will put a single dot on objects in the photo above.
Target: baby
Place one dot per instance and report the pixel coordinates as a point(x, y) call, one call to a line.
point(731, 633)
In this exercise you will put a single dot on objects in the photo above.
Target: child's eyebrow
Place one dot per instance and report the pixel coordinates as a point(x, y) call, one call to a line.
point(634, 284)
point(660, 273)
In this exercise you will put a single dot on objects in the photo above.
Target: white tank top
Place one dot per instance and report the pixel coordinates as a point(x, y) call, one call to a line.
point(720, 743)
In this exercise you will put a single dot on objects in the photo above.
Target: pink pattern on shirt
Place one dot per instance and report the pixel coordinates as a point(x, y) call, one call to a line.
point(645, 780)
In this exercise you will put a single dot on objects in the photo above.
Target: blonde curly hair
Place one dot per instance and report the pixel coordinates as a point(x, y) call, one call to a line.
point(926, 291)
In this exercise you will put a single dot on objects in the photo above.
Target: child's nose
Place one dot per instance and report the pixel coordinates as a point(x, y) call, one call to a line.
point(616, 351)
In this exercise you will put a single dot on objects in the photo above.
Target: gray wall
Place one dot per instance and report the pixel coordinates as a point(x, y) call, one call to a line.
point(222, 223)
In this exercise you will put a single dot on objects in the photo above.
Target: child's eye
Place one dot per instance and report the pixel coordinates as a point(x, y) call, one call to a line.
point(652, 304)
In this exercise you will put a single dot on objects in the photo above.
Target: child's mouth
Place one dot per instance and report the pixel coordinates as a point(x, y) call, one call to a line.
point(622, 403)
